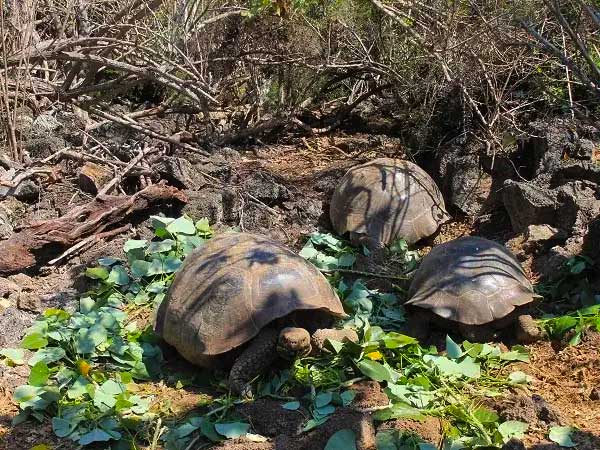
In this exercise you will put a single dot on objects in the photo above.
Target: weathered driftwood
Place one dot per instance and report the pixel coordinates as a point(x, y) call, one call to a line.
point(42, 240)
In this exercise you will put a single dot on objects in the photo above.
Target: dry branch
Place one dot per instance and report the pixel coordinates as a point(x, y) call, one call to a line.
point(43, 240)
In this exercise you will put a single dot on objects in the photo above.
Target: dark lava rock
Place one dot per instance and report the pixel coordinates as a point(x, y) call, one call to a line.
point(205, 203)
point(180, 173)
point(462, 181)
point(528, 204)
point(591, 242)
point(266, 188)
point(549, 143)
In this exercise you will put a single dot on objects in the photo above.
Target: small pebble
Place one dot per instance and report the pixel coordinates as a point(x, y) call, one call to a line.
point(595, 394)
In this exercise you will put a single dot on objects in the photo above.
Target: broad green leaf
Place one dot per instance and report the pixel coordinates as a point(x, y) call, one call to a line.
point(48, 355)
point(519, 377)
point(133, 244)
point(208, 430)
point(453, 349)
point(485, 415)
point(107, 261)
point(323, 411)
point(203, 227)
point(309, 252)
point(232, 430)
point(512, 429)
point(562, 436)
point(139, 268)
point(346, 260)
point(322, 399)
point(118, 275)
point(39, 374)
point(292, 406)
point(374, 370)
point(78, 388)
point(26, 393)
point(386, 440)
point(62, 427)
point(347, 397)
point(397, 340)
point(516, 353)
point(313, 423)
point(97, 273)
point(161, 246)
point(467, 367)
point(342, 440)
point(172, 264)
point(182, 225)
point(98, 435)
point(34, 341)
point(86, 305)
point(87, 339)
point(14, 355)
point(397, 411)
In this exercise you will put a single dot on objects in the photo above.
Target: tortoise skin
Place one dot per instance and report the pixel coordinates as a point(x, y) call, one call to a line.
point(228, 290)
point(386, 199)
point(470, 280)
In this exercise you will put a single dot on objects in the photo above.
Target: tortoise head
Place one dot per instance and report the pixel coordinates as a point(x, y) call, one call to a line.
point(293, 342)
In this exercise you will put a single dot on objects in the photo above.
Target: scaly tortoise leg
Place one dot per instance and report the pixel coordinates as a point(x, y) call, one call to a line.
point(527, 330)
point(253, 361)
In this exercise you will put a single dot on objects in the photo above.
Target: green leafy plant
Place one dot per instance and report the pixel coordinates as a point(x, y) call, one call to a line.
point(421, 382)
point(326, 251)
point(86, 364)
point(572, 288)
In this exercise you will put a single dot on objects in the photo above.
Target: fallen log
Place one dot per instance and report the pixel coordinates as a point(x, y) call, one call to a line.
point(42, 240)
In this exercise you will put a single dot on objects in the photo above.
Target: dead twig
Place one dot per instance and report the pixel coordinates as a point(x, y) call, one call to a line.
point(89, 240)
point(41, 240)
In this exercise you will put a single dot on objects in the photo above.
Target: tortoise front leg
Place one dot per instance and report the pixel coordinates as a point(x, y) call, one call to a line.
point(253, 361)
point(527, 330)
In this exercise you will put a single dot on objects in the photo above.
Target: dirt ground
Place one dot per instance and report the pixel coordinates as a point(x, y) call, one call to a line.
point(566, 381)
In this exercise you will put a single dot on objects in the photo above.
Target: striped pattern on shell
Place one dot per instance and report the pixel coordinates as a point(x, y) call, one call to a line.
point(470, 280)
point(388, 199)
point(230, 288)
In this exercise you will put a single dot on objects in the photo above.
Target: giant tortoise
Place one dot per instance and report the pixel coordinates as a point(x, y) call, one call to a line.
point(242, 299)
point(475, 286)
point(386, 199)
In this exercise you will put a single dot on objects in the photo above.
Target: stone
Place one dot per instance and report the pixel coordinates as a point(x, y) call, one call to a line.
point(549, 142)
point(527, 204)
point(577, 170)
point(595, 394)
point(584, 149)
point(205, 203)
point(263, 186)
point(93, 176)
point(591, 241)
point(536, 234)
point(29, 301)
point(43, 146)
point(463, 182)
point(180, 173)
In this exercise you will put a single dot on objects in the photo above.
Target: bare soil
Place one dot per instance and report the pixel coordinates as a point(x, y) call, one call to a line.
point(565, 379)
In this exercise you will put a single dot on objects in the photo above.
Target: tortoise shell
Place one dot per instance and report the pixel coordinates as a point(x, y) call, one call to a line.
point(230, 288)
point(387, 199)
point(470, 280)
